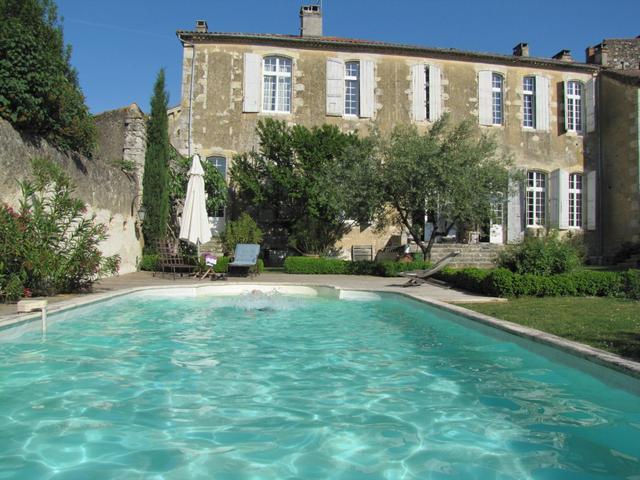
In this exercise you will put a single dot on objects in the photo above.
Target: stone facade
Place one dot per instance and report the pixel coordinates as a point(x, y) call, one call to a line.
point(111, 194)
point(616, 53)
point(620, 131)
point(212, 118)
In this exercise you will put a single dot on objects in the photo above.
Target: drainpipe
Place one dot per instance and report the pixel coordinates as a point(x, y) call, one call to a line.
point(190, 118)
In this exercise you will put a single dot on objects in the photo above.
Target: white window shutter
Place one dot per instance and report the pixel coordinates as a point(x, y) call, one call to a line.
point(515, 211)
point(485, 107)
point(591, 201)
point(367, 89)
point(435, 93)
point(252, 67)
point(559, 199)
point(335, 87)
point(566, 107)
point(542, 103)
point(418, 93)
point(590, 104)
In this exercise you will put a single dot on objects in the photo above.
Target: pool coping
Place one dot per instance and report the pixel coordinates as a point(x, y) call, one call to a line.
point(586, 352)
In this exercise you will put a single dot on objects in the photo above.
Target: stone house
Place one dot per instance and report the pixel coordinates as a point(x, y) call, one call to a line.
point(542, 111)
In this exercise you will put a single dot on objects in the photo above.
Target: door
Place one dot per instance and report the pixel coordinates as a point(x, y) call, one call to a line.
point(496, 231)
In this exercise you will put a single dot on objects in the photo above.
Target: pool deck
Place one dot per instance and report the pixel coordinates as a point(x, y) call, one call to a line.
point(427, 291)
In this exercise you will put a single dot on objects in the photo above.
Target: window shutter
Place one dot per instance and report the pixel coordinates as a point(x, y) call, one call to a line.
point(485, 107)
point(418, 93)
point(591, 201)
point(252, 67)
point(335, 87)
point(435, 93)
point(515, 211)
point(367, 89)
point(566, 108)
point(542, 103)
point(590, 104)
point(559, 199)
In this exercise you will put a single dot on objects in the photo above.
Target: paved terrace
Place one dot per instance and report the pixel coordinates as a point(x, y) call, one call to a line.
point(427, 291)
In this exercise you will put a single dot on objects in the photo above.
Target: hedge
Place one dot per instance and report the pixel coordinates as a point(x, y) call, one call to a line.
point(501, 282)
point(332, 266)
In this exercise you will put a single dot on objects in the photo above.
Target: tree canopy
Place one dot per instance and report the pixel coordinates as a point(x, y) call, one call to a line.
point(40, 93)
point(452, 172)
point(310, 182)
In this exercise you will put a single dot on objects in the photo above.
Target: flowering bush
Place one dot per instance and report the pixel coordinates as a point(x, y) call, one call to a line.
point(48, 245)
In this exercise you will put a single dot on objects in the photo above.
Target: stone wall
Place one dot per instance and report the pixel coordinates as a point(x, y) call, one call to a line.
point(620, 130)
point(623, 53)
point(101, 182)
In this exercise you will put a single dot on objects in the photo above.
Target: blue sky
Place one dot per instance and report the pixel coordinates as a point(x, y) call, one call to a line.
point(119, 46)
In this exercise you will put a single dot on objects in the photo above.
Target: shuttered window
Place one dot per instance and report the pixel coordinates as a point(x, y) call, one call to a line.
point(529, 102)
point(352, 88)
point(575, 200)
point(574, 106)
point(276, 85)
point(497, 95)
point(536, 199)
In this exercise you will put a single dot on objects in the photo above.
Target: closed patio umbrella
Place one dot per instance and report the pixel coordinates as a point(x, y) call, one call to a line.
point(195, 222)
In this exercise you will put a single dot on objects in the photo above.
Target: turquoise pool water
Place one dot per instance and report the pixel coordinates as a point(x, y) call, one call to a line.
point(279, 387)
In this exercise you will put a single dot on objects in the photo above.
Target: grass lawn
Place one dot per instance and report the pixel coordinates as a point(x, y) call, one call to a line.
point(607, 323)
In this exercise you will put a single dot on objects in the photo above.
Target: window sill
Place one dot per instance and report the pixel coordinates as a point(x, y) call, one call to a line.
point(274, 113)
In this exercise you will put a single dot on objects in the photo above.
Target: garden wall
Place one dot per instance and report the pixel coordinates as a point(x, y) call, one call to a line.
point(110, 192)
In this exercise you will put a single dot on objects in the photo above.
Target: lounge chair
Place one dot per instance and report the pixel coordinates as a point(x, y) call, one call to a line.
point(418, 277)
point(245, 259)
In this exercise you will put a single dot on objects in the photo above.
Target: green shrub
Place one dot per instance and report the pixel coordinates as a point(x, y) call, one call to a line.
point(392, 269)
point(149, 262)
point(542, 256)
point(631, 282)
point(243, 230)
point(317, 266)
point(49, 244)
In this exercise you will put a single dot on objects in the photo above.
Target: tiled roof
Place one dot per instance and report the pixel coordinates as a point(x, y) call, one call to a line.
point(351, 44)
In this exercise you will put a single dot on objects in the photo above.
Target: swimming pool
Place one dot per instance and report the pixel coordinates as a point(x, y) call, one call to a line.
point(263, 385)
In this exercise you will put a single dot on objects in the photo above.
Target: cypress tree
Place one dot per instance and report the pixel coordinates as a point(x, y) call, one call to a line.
point(155, 182)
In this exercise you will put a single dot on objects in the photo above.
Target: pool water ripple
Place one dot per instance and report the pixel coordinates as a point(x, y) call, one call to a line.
point(270, 386)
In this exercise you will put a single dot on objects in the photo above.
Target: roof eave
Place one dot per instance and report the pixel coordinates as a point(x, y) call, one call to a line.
point(379, 47)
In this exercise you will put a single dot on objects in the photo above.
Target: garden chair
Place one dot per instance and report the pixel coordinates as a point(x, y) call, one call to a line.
point(418, 277)
point(170, 260)
point(245, 259)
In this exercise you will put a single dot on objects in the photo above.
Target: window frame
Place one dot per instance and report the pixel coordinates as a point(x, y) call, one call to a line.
point(427, 87)
point(529, 94)
point(277, 74)
point(575, 192)
point(497, 99)
point(536, 199)
point(211, 160)
point(572, 111)
point(357, 82)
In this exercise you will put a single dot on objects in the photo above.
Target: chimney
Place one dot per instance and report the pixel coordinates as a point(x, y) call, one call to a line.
point(564, 55)
point(521, 50)
point(201, 26)
point(310, 21)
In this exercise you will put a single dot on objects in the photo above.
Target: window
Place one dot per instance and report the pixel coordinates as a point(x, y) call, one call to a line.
point(276, 85)
point(496, 96)
point(221, 164)
point(352, 89)
point(574, 106)
point(536, 199)
point(426, 75)
point(575, 200)
point(528, 102)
